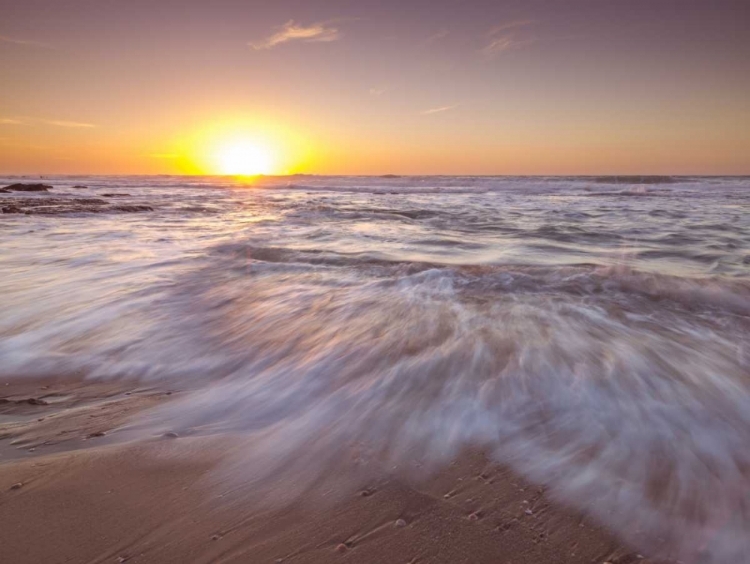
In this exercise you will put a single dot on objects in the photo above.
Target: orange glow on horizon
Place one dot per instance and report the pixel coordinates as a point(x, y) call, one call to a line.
point(241, 146)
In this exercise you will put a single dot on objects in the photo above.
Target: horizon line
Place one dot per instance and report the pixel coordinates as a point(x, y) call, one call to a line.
point(386, 175)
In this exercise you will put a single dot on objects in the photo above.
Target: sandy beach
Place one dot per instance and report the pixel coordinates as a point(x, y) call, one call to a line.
point(74, 491)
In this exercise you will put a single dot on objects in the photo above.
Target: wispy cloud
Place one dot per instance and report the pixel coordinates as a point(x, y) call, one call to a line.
point(440, 109)
point(26, 42)
point(515, 24)
point(507, 37)
point(378, 91)
point(35, 121)
point(435, 37)
point(62, 123)
point(315, 33)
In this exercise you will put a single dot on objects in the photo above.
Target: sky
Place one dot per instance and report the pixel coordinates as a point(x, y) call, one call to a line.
point(375, 86)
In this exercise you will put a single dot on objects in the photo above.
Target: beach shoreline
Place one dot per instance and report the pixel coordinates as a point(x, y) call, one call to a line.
point(73, 492)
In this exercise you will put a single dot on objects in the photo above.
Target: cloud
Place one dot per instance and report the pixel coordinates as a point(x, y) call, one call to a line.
point(62, 123)
point(510, 25)
point(28, 43)
point(435, 37)
point(290, 31)
point(378, 91)
point(501, 44)
point(440, 109)
point(55, 122)
point(507, 37)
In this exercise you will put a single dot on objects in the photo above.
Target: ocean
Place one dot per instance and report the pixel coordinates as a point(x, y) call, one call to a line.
point(593, 333)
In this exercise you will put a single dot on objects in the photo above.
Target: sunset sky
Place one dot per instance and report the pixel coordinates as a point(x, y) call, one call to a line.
point(376, 86)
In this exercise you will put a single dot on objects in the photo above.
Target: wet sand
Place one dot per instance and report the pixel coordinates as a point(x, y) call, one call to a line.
point(72, 491)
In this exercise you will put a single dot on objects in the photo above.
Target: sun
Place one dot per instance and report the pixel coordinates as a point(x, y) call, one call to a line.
point(245, 158)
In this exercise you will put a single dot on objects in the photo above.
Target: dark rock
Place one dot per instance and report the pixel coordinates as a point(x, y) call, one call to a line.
point(97, 434)
point(30, 401)
point(131, 209)
point(80, 187)
point(35, 401)
point(28, 188)
point(84, 201)
point(56, 205)
point(115, 195)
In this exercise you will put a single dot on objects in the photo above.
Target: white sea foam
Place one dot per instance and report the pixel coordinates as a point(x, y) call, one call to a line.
point(597, 343)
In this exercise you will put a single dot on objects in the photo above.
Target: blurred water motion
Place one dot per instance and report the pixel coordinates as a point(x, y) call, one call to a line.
point(592, 333)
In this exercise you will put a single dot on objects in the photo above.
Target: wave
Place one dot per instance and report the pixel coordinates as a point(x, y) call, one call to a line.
point(519, 318)
point(513, 278)
point(635, 179)
point(637, 191)
point(616, 388)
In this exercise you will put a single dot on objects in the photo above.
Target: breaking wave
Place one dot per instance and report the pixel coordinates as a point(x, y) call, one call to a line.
point(600, 346)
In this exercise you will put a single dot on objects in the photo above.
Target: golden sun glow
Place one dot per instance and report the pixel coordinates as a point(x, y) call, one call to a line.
point(245, 158)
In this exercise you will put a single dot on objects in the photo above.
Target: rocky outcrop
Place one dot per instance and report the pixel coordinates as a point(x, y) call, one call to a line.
point(56, 206)
point(27, 188)
point(132, 209)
